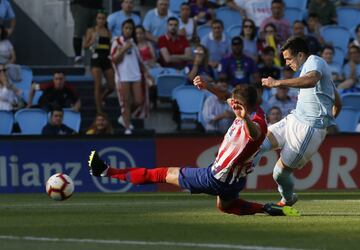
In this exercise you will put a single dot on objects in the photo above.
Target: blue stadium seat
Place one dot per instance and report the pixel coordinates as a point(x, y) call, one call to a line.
point(351, 100)
point(293, 14)
point(339, 56)
point(348, 17)
point(301, 4)
point(155, 72)
point(72, 119)
point(25, 83)
point(336, 35)
point(167, 82)
point(174, 5)
point(6, 122)
point(228, 16)
point(234, 30)
point(190, 101)
point(348, 119)
point(203, 30)
point(31, 121)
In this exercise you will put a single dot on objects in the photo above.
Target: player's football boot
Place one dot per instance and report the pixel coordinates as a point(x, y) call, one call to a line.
point(284, 202)
point(96, 165)
point(275, 210)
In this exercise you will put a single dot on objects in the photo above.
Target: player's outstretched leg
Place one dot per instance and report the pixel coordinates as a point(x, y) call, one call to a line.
point(276, 210)
point(134, 175)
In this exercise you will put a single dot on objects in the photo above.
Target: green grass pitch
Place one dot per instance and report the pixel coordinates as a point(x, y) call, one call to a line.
point(330, 220)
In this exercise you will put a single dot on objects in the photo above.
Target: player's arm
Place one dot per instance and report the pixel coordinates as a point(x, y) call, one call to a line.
point(337, 105)
point(308, 80)
point(221, 93)
point(252, 129)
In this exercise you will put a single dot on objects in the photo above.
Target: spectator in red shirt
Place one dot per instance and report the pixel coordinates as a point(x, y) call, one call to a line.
point(175, 50)
point(57, 93)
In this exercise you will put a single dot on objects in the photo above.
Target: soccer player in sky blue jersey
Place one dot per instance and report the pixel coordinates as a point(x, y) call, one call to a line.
point(300, 134)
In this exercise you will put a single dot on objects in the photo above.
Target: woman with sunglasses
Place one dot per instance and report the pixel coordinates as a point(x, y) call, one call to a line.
point(248, 34)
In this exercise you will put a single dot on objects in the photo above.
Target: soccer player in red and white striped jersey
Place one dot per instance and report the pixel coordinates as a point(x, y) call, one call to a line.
point(226, 177)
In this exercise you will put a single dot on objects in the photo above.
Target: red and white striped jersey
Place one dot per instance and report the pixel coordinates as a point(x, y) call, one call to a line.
point(234, 158)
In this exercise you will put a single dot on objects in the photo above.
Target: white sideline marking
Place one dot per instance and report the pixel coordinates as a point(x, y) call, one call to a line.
point(143, 243)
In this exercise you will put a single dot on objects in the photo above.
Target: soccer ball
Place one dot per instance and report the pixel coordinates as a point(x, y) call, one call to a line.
point(60, 187)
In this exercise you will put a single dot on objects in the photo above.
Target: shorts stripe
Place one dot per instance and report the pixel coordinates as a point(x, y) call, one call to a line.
point(303, 147)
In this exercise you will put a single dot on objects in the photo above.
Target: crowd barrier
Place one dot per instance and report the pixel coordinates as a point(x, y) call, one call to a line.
point(27, 161)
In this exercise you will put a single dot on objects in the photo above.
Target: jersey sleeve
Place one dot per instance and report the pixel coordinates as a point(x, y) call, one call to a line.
point(313, 64)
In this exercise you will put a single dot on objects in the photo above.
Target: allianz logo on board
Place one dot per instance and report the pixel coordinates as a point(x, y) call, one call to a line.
point(117, 158)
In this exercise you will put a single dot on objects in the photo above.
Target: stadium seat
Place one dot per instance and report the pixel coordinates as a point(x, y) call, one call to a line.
point(190, 101)
point(228, 16)
point(203, 30)
point(174, 5)
point(72, 119)
point(155, 72)
point(31, 121)
point(302, 4)
point(234, 30)
point(348, 17)
point(167, 82)
point(25, 83)
point(293, 14)
point(336, 35)
point(7, 122)
point(348, 119)
point(339, 56)
point(351, 100)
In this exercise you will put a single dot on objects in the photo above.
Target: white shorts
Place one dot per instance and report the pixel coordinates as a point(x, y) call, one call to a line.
point(297, 140)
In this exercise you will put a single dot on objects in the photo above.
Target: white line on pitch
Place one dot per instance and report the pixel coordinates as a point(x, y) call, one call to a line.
point(143, 243)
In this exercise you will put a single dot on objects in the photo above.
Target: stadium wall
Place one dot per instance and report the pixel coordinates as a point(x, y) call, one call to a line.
point(27, 161)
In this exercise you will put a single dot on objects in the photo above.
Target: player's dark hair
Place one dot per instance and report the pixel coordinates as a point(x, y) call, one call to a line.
point(245, 93)
point(295, 45)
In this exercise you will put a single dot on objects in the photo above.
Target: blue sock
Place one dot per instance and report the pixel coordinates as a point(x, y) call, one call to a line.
point(265, 146)
point(285, 182)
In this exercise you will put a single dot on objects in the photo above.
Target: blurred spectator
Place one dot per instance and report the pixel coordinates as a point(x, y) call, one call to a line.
point(146, 48)
point(55, 126)
point(313, 27)
point(7, 52)
point(57, 93)
point(267, 67)
point(132, 91)
point(7, 15)
point(282, 25)
point(256, 10)
point(288, 73)
point(155, 21)
point(282, 100)
point(187, 25)
point(217, 113)
point(217, 42)
point(9, 95)
point(84, 13)
point(175, 51)
point(327, 53)
point(248, 34)
point(116, 19)
point(351, 72)
point(201, 12)
point(200, 65)
point(97, 39)
point(100, 126)
point(356, 40)
point(269, 38)
point(324, 9)
point(261, 96)
point(313, 44)
point(238, 68)
point(274, 115)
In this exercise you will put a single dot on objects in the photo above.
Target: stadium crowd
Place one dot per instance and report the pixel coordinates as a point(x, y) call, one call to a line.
point(229, 42)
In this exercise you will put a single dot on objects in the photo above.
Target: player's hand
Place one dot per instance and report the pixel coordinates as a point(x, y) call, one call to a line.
point(268, 82)
point(200, 83)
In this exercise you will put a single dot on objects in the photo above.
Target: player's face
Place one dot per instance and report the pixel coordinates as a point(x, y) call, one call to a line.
point(294, 62)
point(238, 107)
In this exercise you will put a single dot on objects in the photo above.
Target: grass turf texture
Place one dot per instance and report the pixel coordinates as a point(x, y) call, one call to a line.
point(330, 220)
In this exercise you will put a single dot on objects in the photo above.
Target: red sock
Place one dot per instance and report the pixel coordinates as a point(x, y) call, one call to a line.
point(243, 207)
point(139, 175)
